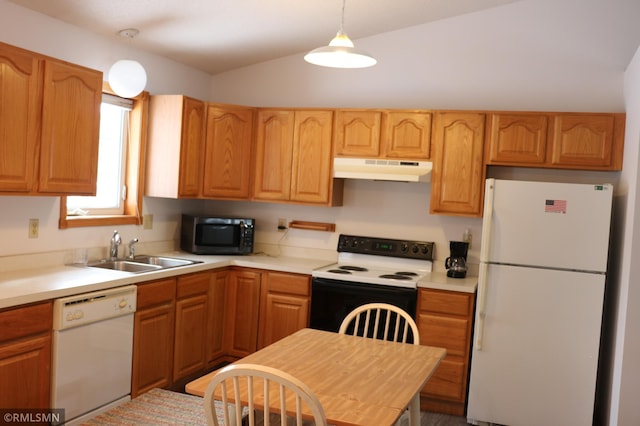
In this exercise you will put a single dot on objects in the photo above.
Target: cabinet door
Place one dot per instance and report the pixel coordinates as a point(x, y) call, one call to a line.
point(191, 148)
point(274, 147)
point(20, 106)
point(284, 307)
point(518, 139)
point(176, 146)
point(227, 155)
point(445, 320)
point(25, 373)
point(458, 172)
point(190, 351)
point(70, 129)
point(357, 133)
point(153, 336)
point(406, 135)
point(585, 140)
point(312, 160)
point(243, 301)
point(215, 327)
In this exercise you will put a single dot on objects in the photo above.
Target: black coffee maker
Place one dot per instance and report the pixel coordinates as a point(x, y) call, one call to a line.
point(456, 263)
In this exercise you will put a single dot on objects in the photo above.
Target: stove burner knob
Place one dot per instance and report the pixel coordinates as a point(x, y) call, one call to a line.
point(425, 250)
point(404, 247)
point(414, 249)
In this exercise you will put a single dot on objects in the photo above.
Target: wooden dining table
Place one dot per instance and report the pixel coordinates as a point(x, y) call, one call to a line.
point(359, 381)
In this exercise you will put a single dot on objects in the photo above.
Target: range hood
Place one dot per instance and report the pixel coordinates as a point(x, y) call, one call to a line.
point(378, 169)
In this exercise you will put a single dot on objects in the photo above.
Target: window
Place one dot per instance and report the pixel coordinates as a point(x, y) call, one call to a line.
point(118, 198)
point(111, 188)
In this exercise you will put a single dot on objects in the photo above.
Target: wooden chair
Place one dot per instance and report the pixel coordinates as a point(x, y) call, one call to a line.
point(278, 386)
point(378, 320)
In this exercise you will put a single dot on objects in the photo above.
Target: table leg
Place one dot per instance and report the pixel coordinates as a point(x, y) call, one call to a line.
point(414, 410)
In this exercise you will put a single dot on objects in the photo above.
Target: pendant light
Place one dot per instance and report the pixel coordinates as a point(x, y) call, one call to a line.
point(340, 52)
point(127, 78)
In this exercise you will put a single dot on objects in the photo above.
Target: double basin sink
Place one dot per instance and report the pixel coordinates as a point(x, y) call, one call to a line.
point(142, 263)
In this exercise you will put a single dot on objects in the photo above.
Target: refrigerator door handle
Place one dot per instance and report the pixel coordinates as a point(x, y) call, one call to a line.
point(484, 256)
point(482, 292)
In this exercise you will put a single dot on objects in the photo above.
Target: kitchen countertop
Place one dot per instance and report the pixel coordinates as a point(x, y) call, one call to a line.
point(33, 285)
point(440, 281)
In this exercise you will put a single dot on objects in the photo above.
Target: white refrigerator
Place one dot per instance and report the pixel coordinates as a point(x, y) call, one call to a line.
point(540, 298)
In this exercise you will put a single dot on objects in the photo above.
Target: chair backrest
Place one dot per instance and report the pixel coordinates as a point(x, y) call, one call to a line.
point(277, 386)
point(379, 320)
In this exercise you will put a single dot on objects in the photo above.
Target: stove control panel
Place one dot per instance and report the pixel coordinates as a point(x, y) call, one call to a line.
point(386, 247)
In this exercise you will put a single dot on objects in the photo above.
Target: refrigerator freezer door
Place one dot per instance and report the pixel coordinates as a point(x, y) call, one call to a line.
point(539, 356)
point(543, 224)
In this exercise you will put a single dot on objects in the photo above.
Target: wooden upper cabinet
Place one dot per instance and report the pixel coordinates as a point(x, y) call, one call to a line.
point(20, 105)
point(227, 153)
point(176, 146)
point(274, 151)
point(406, 135)
point(458, 170)
point(293, 161)
point(585, 141)
point(357, 133)
point(49, 125)
point(70, 128)
point(312, 160)
point(588, 141)
point(517, 138)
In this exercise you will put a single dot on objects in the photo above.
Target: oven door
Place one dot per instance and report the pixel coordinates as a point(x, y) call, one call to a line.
point(332, 300)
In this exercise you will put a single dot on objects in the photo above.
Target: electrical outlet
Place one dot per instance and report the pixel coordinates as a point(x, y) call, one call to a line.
point(147, 221)
point(34, 228)
point(282, 225)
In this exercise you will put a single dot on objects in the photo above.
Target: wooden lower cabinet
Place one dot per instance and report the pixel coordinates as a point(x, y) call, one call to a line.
point(445, 319)
point(217, 303)
point(192, 302)
point(284, 305)
point(153, 336)
point(25, 356)
point(242, 312)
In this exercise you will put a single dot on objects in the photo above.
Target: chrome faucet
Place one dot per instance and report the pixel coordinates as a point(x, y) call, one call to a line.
point(113, 248)
point(132, 250)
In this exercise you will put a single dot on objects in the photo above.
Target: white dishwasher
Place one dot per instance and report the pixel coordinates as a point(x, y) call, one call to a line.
point(92, 352)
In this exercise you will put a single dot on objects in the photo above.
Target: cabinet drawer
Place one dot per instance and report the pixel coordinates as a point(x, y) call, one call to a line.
point(447, 381)
point(444, 332)
point(288, 283)
point(444, 302)
point(26, 321)
point(156, 293)
point(190, 285)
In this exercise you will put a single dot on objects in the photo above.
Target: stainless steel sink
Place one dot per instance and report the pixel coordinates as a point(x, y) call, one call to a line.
point(142, 263)
point(163, 261)
point(124, 265)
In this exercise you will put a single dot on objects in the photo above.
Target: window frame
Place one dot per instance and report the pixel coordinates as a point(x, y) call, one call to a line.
point(134, 173)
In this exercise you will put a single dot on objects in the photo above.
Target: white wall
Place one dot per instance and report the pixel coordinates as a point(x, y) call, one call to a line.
point(484, 60)
point(384, 209)
point(626, 329)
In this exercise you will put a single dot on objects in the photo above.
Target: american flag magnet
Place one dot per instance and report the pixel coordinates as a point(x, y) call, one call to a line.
point(555, 206)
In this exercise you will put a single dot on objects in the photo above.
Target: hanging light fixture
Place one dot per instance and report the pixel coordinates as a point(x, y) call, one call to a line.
point(340, 52)
point(127, 78)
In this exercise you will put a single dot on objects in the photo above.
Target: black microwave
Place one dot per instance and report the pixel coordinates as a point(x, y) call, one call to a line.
point(216, 235)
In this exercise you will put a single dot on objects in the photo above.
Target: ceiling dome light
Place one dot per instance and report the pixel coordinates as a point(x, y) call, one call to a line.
point(340, 52)
point(126, 77)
